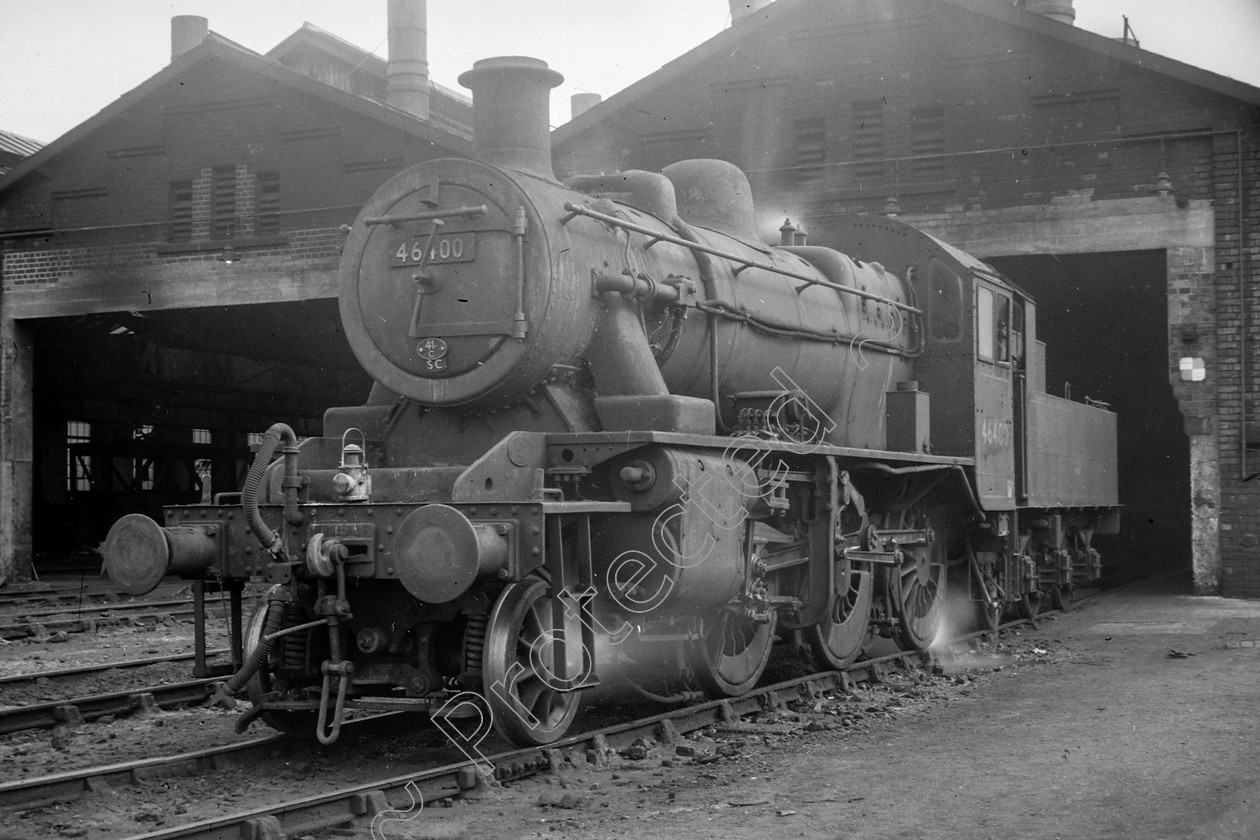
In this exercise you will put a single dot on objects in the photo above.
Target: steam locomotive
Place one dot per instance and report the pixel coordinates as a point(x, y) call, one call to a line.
point(611, 427)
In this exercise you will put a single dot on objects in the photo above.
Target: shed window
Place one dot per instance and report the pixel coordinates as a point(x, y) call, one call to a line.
point(868, 142)
point(181, 209)
point(223, 202)
point(267, 222)
point(142, 467)
point(811, 151)
point(78, 457)
point(927, 143)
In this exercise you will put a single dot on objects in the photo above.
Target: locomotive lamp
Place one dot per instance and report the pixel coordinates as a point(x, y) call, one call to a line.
point(353, 483)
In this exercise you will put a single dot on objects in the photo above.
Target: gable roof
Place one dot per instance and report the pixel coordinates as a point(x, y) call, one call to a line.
point(1004, 11)
point(16, 144)
point(311, 37)
point(216, 48)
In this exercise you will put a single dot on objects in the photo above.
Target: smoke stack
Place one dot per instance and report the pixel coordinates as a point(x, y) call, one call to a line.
point(407, 74)
point(580, 103)
point(187, 31)
point(741, 9)
point(1060, 10)
point(511, 113)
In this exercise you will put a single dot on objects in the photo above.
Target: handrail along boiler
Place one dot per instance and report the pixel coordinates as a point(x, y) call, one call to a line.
point(610, 425)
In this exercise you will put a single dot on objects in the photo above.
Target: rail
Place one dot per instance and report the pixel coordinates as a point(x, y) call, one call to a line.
point(308, 814)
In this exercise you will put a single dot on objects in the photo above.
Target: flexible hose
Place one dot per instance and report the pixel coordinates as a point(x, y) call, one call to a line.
point(258, 657)
point(269, 539)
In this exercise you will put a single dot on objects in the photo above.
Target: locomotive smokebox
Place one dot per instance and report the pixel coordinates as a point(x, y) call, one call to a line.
point(511, 113)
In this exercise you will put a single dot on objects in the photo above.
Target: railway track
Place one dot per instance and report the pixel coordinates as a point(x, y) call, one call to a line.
point(70, 674)
point(91, 707)
point(76, 710)
point(302, 815)
point(61, 787)
point(35, 615)
point(306, 814)
point(110, 616)
point(71, 593)
point(50, 594)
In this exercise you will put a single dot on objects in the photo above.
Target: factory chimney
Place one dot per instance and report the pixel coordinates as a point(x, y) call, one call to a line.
point(407, 74)
point(580, 103)
point(187, 31)
point(1060, 10)
point(741, 9)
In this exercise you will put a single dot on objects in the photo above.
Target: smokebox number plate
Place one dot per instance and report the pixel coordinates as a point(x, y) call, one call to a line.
point(446, 248)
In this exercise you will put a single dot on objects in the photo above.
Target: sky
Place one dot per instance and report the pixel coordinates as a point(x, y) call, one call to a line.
point(61, 61)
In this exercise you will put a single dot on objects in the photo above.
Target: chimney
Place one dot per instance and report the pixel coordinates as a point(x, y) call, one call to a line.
point(407, 74)
point(1060, 10)
point(580, 103)
point(511, 112)
point(187, 31)
point(741, 9)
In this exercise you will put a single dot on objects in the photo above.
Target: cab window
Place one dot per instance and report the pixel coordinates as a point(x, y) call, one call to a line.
point(993, 325)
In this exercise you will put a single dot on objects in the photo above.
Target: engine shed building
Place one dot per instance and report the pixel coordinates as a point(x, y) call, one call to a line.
point(168, 268)
point(1116, 186)
point(169, 272)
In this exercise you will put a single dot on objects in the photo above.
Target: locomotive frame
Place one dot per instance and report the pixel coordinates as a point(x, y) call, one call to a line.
point(612, 431)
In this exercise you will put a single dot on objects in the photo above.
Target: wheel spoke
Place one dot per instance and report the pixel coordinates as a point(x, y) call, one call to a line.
point(533, 712)
point(733, 654)
point(922, 585)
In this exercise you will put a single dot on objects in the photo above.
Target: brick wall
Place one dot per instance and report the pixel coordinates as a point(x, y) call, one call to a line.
point(1028, 122)
point(304, 250)
point(1237, 327)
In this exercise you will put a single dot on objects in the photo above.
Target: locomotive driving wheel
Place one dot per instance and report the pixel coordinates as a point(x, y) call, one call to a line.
point(1029, 604)
point(987, 597)
point(838, 640)
point(528, 709)
point(732, 653)
point(919, 592)
point(1061, 596)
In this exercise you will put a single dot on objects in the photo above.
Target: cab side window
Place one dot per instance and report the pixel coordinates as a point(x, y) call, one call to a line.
point(993, 325)
point(1002, 327)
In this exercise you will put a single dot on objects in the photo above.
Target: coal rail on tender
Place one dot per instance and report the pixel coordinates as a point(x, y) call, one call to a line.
point(612, 429)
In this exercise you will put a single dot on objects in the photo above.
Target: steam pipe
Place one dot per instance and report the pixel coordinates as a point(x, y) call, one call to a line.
point(268, 539)
point(620, 357)
point(582, 210)
point(692, 240)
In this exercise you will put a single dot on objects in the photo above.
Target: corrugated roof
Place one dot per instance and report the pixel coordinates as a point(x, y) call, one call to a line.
point(16, 144)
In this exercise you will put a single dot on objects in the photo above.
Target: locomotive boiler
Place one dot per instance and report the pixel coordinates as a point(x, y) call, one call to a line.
point(610, 424)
